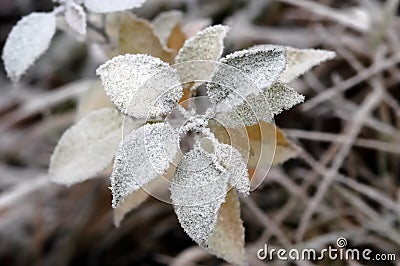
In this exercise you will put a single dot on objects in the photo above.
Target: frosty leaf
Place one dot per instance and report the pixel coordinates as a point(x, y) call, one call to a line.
point(300, 61)
point(86, 148)
point(281, 97)
point(261, 67)
point(227, 239)
point(105, 6)
point(165, 23)
point(144, 154)
point(140, 85)
point(206, 170)
point(230, 159)
point(92, 99)
point(197, 176)
point(137, 36)
point(262, 107)
point(208, 44)
point(26, 42)
point(75, 17)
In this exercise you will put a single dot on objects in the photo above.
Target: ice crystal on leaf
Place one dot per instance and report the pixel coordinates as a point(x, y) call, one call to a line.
point(199, 173)
point(144, 154)
point(260, 69)
point(27, 41)
point(140, 85)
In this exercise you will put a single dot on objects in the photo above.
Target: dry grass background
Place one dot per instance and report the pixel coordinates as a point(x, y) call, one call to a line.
point(346, 183)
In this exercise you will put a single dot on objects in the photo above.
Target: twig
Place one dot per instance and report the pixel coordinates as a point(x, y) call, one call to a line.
point(352, 130)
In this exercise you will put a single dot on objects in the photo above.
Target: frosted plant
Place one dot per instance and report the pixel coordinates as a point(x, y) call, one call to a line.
point(245, 89)
point(32, 35)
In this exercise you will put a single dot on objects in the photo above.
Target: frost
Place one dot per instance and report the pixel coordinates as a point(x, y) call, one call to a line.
point(86, 148)
point(282, 97)
point(207, 45)
point(144, 154)
point(227, 239)
point(300, 61)
point(164, 24)
point(206, 172)
point(262, 107)
point(140, 85)
point(75, 17)
point(197, 176)
point(105, 6)
point(261, 67)
point(231, 159)
point(26, 42)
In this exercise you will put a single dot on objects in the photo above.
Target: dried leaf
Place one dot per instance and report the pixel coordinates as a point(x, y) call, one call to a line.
point(105, 6)
point(140, 85)
point(269, 145)
point(300, 61)
point(227, 239)
point(165, 23)
point(26, 42)
point(260, 145)
point(137, 36)
point(86, 148)
point(208, 44)
point(262, 107)
point(246, 72)
point(94, 98)
point(177, 38)
point(75, 17)
point(143, 155)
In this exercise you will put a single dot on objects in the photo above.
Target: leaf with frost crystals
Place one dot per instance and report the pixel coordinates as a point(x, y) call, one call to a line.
point(207, 44)
point(75, 17)
point(227, 239)
point(137, 36)
point(262, 107)
point(154, 188)
point(164, 24)
point(144, 154)
point(140, 85)
point(197, 176)
point(260, 68)
point(208, 173)
point(105, 6)
point(86, 148)
point(300, 61)
point(231, 159)
point(27, 41)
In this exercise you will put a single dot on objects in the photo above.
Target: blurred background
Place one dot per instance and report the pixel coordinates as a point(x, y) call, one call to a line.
point(345, 183)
